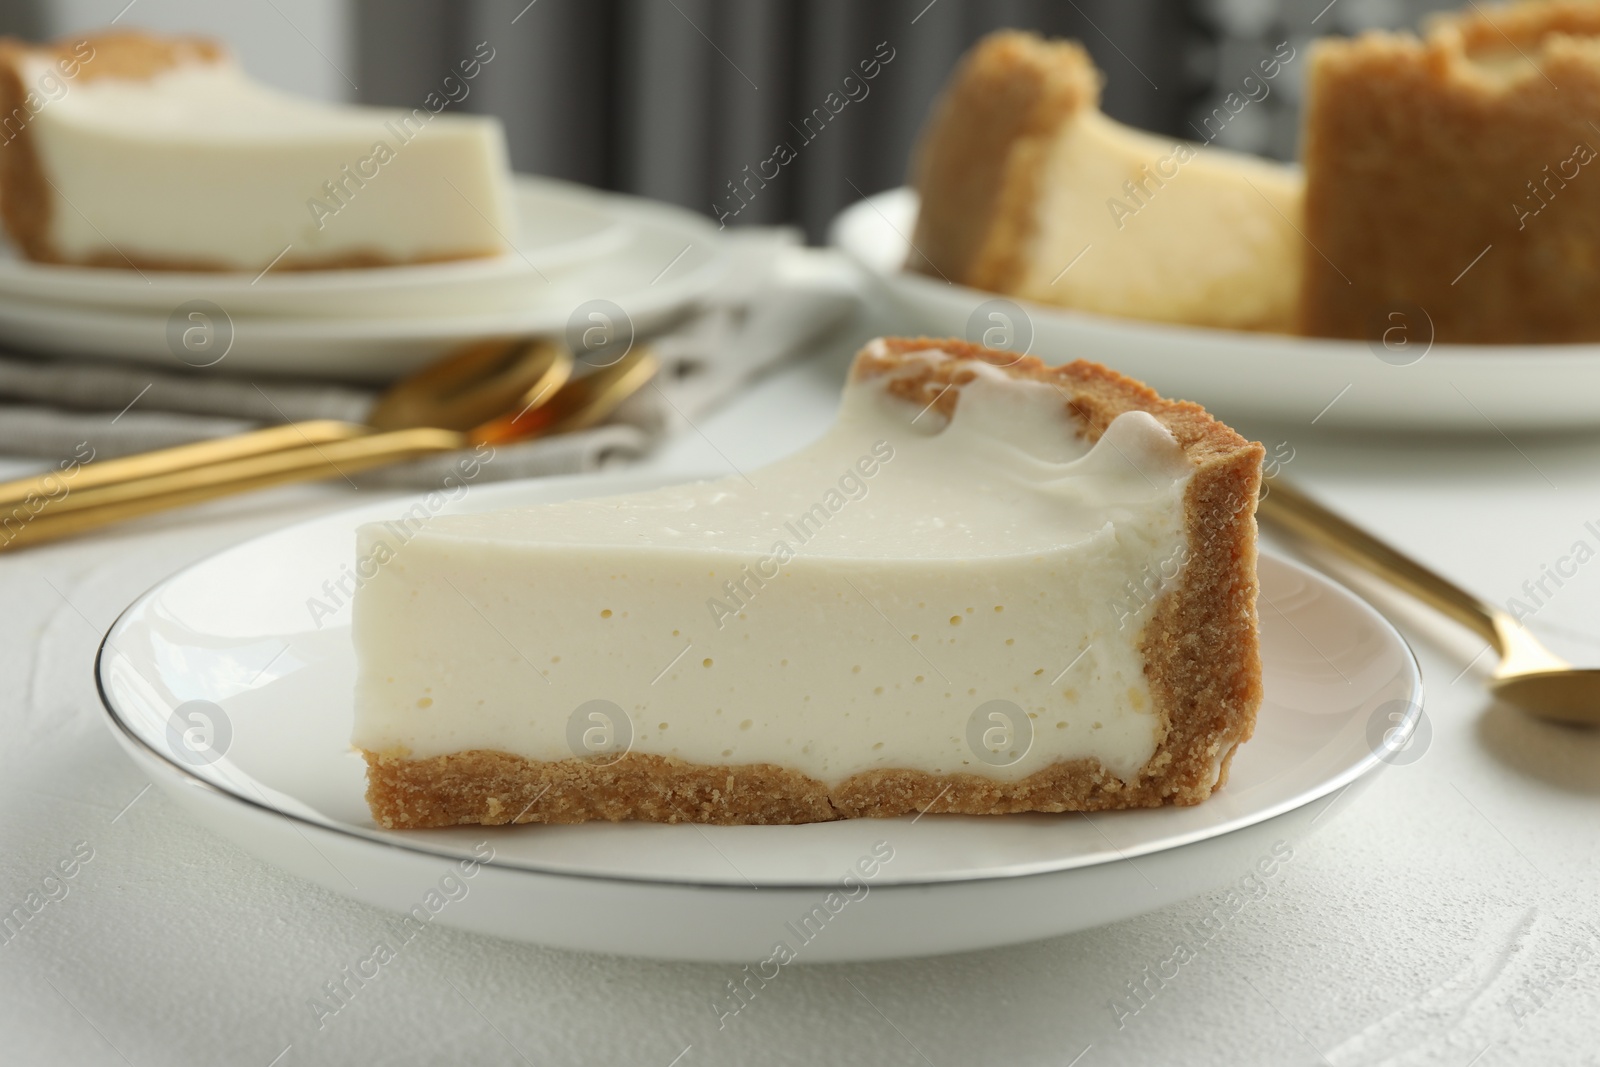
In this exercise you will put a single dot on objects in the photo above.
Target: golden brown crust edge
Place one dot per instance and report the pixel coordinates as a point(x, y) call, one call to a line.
point(28, 203)
point(1200, 644)
point(119, 53)
point(1384, 236)
point(1515, 25)
point(980, 156)
point(26, 206)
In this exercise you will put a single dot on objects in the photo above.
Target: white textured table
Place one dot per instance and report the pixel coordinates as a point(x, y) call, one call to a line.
point(1446, 913)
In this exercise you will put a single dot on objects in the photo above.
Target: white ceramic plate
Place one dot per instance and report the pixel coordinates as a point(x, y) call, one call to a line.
point(559, 225)
point(238, 630)
point(1476, 388)
point(666, 258)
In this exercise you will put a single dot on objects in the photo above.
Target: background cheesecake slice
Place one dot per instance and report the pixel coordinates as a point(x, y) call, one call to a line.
point(993, 586)
point(132, 151)
point(1020, 175)
point(1451, 191)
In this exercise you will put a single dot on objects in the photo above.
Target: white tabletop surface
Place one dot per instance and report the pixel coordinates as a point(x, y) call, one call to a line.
point(1446, 913)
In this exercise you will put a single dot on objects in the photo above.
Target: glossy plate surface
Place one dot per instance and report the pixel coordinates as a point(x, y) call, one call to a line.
point(1408, 385)
point(256, 632)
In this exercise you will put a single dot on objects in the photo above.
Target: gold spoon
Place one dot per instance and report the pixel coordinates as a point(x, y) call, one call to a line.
point(471, 384)
point(508, 393)
point(1529, 676)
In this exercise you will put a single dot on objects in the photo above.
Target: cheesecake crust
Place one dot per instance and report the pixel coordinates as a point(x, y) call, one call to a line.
point(29, 203)
point(980, 161)
point(1200, 642)
point(1444, 173)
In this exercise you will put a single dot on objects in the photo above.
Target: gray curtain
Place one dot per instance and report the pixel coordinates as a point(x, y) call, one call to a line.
point(22, 18)
point(672, 99)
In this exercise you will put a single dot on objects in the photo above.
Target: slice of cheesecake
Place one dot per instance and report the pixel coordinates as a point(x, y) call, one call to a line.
point(1027, 189)
point(994, 586)
point(157, 153)
point(1450, 187)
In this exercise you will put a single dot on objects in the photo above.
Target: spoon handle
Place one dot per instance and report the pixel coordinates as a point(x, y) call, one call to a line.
point(52, 491)
point(1287, 507)
point(113, 503)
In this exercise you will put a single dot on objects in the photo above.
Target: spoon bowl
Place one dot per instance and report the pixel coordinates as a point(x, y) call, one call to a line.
point(1529, 676)
point(492, 392)
point(1569, 695)
point(477, 384)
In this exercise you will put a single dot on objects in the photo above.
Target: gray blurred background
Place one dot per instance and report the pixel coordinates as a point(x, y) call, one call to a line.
point(672, 99)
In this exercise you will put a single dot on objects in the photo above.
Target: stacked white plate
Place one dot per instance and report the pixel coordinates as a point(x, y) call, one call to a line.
point(573, 246)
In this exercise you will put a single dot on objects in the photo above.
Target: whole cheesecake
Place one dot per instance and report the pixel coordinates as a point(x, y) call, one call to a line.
point(1450, 192)
point(993, 586)
point(140, 152)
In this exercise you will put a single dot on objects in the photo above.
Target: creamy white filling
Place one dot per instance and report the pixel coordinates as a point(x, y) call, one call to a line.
point(1203, 236)
point(1503, 66)
point(200, 163)
point(856, 606)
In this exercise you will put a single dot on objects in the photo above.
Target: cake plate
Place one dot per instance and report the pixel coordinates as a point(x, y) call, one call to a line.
point(230, 684)
point(1399, 382)
point(637, 262)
